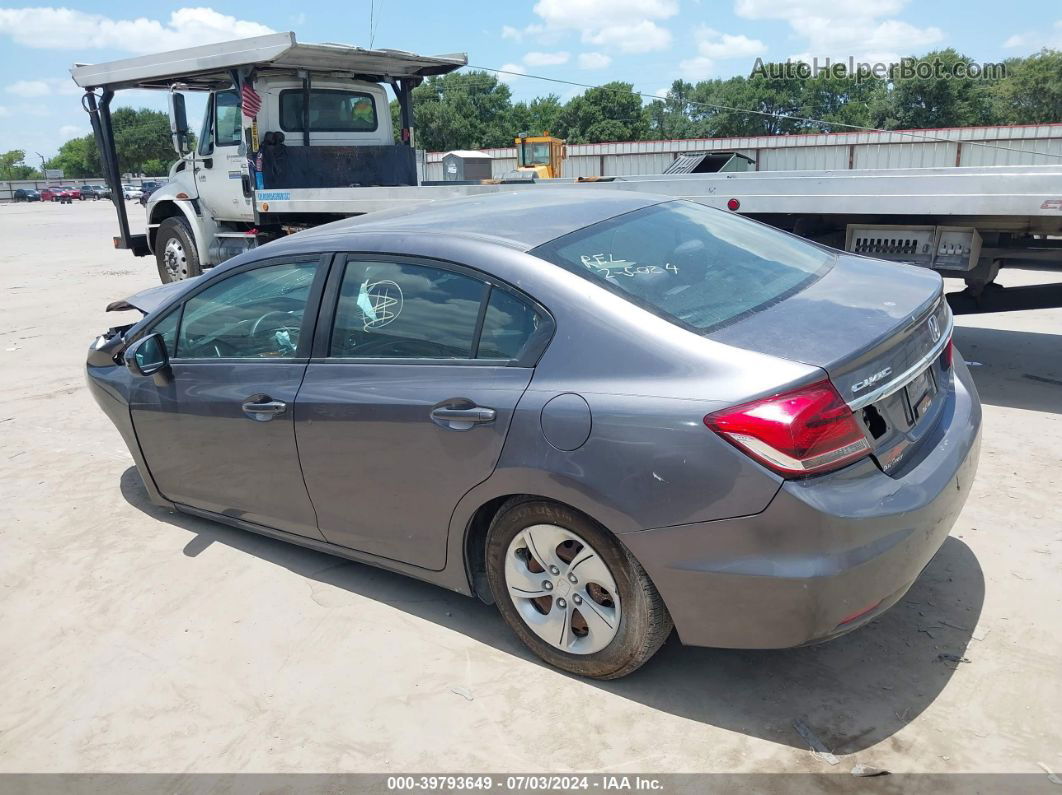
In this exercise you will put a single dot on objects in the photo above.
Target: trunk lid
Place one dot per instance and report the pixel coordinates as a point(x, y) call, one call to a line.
point(878, 329)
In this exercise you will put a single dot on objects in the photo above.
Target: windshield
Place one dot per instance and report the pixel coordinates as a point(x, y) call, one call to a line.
point(330, 111)
point(534, 154)
point(691, 264)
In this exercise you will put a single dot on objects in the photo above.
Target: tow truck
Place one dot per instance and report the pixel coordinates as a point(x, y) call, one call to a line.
point(296, 135)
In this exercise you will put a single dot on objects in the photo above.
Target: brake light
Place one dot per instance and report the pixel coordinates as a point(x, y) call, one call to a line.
point(801, 432)
point(947, 354)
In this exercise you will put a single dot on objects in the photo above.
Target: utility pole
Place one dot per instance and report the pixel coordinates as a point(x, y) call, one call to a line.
point(44, 176)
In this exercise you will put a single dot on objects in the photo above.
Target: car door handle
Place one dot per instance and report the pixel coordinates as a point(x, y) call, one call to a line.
point(263, 407)
point(463, 418)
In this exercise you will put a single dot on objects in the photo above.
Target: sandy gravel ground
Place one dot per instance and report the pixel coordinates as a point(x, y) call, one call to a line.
point(133, 639)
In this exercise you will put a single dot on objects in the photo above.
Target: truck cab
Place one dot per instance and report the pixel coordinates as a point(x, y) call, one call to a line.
point(341, 115)
point(541, 154)
point(280, 117)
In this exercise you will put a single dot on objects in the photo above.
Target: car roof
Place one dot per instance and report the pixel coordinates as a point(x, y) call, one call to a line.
point(521, 219)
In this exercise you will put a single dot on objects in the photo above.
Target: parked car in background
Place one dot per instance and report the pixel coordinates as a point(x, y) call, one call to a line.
point(95, 192)
point(603, 412)
point(131, 192)
point(59, 193)
point(26, 195)
point(147, 188)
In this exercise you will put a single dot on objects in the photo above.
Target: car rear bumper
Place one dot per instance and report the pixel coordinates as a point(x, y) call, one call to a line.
point(826, 556)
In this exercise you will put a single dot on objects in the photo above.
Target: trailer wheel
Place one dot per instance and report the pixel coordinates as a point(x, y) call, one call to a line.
point(175, 251)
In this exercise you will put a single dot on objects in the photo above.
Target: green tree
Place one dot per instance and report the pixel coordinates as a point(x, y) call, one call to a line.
point(672, 117)
point(938, 99)
point(612, 112)
point(842, 99)
point(78, 158)
point(13, 167)
point(141, 139)
point(747, 106)
point(536, 117)
point(461, 110)
point(1031, 91)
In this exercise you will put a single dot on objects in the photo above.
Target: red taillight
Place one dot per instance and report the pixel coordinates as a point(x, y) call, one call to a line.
point(801, 432)
point(946, 356)
point(848, 619)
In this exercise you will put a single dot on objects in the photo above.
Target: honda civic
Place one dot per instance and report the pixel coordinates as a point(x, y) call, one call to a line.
point(611, 414)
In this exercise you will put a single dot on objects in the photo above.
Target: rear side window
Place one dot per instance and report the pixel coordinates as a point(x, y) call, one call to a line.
point(698, 267)
point(330, 111)
point(250, 315)
point(388, 310)
point(509, 324)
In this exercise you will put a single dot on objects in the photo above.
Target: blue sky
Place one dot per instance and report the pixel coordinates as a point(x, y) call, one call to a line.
point(646, 42)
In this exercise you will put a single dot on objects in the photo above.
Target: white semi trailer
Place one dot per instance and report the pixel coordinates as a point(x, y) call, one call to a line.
point(295, 135)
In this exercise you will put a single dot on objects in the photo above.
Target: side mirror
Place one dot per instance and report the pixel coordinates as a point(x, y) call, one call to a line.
point(178, 123)
point(147, 356)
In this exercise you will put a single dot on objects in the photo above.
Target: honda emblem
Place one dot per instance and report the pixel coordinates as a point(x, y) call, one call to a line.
point(934, 328)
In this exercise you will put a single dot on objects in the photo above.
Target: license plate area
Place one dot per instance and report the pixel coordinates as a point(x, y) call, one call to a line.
point(920, 393)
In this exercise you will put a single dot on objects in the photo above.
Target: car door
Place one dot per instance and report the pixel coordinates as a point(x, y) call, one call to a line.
point(417, 368)
point(221, 167)
point(218, 431)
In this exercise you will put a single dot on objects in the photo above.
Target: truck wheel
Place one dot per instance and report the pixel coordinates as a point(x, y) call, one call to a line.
point(571, 592)
point(175, 251)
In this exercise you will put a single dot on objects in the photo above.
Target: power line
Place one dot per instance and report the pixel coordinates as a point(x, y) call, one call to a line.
point(791, 117)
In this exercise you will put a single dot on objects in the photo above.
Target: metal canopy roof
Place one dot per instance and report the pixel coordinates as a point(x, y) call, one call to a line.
point(208, 67)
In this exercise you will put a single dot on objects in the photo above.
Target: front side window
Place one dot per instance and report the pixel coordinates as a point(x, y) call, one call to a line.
point(696, 266)
point(228, 118)
point(250, 315)
point(330, 111)
point(167, 327)
point(389, 310)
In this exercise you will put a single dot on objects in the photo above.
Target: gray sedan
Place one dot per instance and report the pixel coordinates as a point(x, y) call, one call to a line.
point(609, 413)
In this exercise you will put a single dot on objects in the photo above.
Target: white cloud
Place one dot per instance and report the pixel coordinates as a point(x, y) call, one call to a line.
point(720, 46)
point(697, 68)
point(510, 72)
point(67, 29)
point(1035, 41)
point(43, 88)
point(799, 9)
point(546, 58)
point(627, 25)
point(68, 131)
point(586, 14)
point(593, 60)
point(4, 112)
point(861, 29)
point(29, 88)
point(644, 36)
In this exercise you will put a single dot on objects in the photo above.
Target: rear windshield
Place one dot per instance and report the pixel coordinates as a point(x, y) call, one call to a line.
point(693, 265)
point(330, 111)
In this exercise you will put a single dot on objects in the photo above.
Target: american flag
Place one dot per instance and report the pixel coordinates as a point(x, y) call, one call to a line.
point(252, 103)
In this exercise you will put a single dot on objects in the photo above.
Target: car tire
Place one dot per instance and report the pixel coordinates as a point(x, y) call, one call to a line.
point(175, 252)
point(629, 619)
